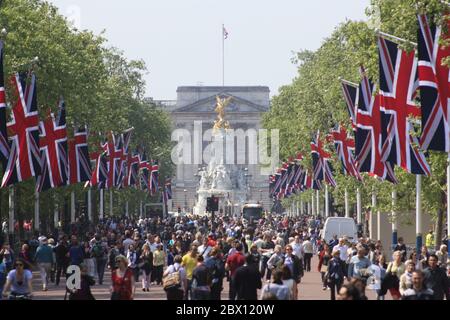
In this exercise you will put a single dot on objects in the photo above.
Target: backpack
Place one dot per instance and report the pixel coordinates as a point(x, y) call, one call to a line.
point(98, 251)
point(172, 280)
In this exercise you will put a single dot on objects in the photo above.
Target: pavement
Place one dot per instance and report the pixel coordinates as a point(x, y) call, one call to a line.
point(309, 289)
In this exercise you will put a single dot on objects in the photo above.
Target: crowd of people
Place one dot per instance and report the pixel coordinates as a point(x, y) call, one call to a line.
point(194, 258)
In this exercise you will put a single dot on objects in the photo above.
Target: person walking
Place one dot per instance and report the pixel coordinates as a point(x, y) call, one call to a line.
point(133, 258)
point(44, 260)
point(436, 279)
point(324, 258)
point(178, 291)
point(201, 281)
point(275, 290)
point(234, 261)
point(217, 270)
point(406, 278)
point(335, 274)
point(159, 258)
point(247, 280)
point(189, 262)
point(62, 259)
point(100, 256)
point(122, 287)
point(146, 259)
point(394, 271)
point(86, 281)
point(418, 291)
point(308, 253)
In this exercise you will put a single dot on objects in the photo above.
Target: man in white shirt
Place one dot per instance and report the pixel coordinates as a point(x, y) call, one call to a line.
point(342, 248)
point(128, 241)
point(308, 250)
point(297, 247)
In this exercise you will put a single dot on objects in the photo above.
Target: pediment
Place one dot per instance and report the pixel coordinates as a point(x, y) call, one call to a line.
point(209, 104)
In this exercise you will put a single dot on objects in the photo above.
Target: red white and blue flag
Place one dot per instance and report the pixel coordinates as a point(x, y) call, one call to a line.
point(53, 145)
point(434, 84)
point(344, 148)
point(398, 87)
point(79, 160)
point(23, 129)
point(368, 133)
point(321, 166)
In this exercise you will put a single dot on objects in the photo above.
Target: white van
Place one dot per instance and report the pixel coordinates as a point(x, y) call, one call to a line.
point(341, 227)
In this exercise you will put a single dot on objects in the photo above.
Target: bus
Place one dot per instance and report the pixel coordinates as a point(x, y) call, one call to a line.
point(252, 212)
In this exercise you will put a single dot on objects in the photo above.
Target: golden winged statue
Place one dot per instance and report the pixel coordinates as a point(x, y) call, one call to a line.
point(221, 104)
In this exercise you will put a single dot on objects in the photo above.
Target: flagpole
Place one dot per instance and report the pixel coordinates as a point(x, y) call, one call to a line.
point(89, 205)
point(419, 212)
point(101, 209)
point(372, 213)
point(36, 211)
point(347, 212)
point(111, 202)
point(72, 207)
point(11, 210)
point(358, 205)
point(327, 205)
point(394, 218)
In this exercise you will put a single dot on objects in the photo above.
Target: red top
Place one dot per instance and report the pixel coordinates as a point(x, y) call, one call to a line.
point(235, 261)
point(124, 286)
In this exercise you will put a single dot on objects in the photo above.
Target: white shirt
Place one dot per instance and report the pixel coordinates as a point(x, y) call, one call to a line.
point(297, 248)
point(204, 250)
point(126, 244)
point(374, 281)
point(342, 250)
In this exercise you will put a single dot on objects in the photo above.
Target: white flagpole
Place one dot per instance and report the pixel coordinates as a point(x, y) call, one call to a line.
point(72, 207)
point(318, 202)
point(11, 210)
point(372, 213)
point(347, 212)
point(55, 212)
point(419, 212)
point(313, 210)
point(327, 205)
point(101, 209)
point(111, 202)
point(36, 211)
point(358, 205)
point(89, 206)
point(141, 215)
point(394, 218)
point(126, 209)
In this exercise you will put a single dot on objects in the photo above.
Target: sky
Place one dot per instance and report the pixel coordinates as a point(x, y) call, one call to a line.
point(181, 40)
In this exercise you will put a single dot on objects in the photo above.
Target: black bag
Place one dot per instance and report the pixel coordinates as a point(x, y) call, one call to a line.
point(390, 281)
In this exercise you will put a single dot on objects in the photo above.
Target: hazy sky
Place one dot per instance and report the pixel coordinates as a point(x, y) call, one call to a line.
point(181, 40)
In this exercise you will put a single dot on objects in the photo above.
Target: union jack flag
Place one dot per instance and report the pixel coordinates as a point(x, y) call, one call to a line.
point(124, 145)
point(114, 153)
point(398, 87)
point(79, 161)
point(344, 149)
point(368, 133)
point(100, 173)
point(434, 86)
point(284, 178)
point(132, 169)
point(145, 168)
point(321, 166)
point(154, 178)
point(310, 182)
point(350, 92)
point(23, 162)
point(4, 144)
point(53, 145)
